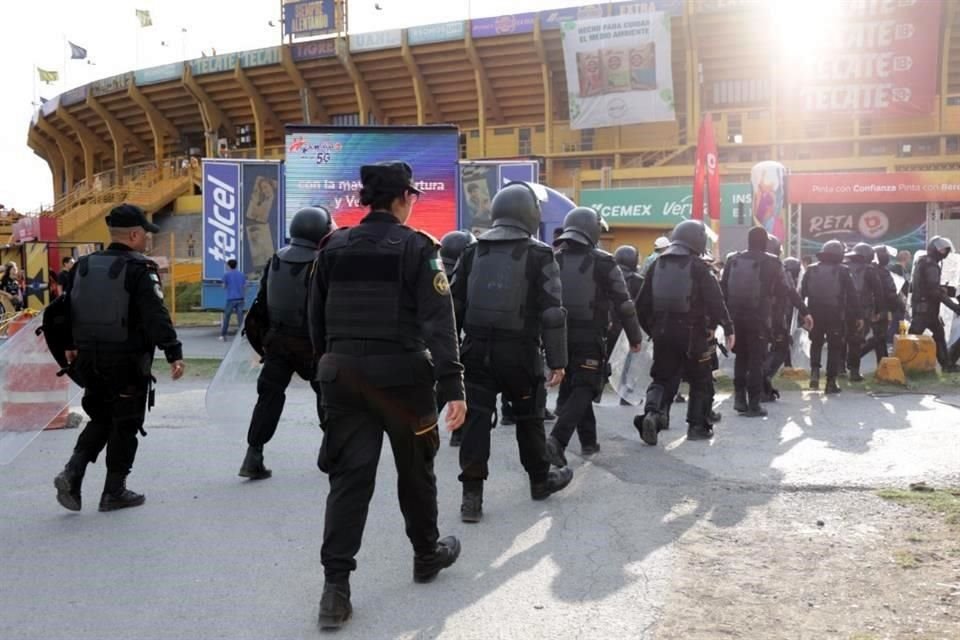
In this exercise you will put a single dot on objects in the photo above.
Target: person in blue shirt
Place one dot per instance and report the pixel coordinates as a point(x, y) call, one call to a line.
point(235, 284)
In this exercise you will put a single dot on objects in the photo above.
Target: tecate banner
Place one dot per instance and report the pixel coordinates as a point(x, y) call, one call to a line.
point(323, 169)
point(619, 70)
point(221, 217)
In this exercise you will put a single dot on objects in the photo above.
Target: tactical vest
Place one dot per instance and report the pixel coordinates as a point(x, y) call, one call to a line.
point(100, 302)
point(367, 298)
point(586, 316)
point(497, 287)
point(823, 286)
point(864, 295)
point(633, 281)
point(744, 287)
point(673, 284)
point(287, 287)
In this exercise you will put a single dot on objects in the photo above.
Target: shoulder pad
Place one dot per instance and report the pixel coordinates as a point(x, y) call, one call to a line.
point(604, 258)
point(335, 238)
point(433, 241)
point(538, 245)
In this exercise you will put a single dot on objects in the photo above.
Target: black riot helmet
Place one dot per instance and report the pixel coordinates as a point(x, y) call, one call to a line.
point(311, 224)
point(773, 246)
point(939, 247)
point(627, 257)
point(884, 253)
point(690, 234)
point(453, 244)
point(516, 206)
point(582, 225)
point(832, 251)
point(862, 252)
point(792, 266)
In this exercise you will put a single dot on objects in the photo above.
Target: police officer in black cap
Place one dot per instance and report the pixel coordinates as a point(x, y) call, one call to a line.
point(781, 338)
point(506, 292)
point(828, 290)
point(593, 290)
point(452, 246)
point(381, 314)
point(928, 295)
point(866, 280)
point(680, 307)
point(628, 259)
point(286, 342)
point(118, 319)
point(752, 282)
point(887, 303)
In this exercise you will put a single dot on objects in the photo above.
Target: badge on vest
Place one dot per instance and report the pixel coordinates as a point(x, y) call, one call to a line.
point(440, 283)
point(157, 289)
point(436, 264)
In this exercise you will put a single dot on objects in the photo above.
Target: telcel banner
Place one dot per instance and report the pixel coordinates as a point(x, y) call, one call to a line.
point(619, 70)
point(221, 217)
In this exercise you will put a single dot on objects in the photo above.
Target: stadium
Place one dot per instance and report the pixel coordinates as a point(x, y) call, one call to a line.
point(504, 83)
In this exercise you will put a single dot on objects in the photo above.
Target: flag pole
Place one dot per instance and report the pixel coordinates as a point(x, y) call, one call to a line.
point(64, 36)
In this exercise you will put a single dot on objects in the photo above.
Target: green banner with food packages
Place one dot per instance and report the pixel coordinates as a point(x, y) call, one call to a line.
point(663, 206)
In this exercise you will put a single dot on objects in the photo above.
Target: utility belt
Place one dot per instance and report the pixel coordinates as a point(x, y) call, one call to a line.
point(349, 347)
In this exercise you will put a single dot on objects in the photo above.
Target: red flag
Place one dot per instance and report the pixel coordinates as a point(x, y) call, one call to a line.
point(707, 169)
point(699, 175)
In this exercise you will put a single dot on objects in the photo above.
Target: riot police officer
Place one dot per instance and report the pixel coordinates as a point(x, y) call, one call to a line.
point(751, 283)
point(506, 292)
point(888, 303)
point(680, 307)
point(866, 281)
point(928, 295)
point(628, 259)
point(781, 338)
point(593, 290)
point(828, 290)
point(118, 319)
point(286, 345)
point(380, 312)
point(452, 246)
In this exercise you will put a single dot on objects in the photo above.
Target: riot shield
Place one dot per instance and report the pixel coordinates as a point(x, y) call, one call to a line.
point(32, 396)
point(232, 394)
point(630, 372)
point(950, 275)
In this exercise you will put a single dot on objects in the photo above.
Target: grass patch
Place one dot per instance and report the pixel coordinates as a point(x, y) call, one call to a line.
point(198, 318)
point(905, 559)
point(943, 501)
point(195, 368)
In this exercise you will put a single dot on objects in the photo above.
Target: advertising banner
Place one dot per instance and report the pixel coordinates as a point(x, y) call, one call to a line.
point(662, 206)
point(376, 40)
point(309, 18)
point(313, 49)
point(706, 177)
point(619, 70)
point(871, 58)
point(436, 32)
point(79, 94)
point(503, 25)
point(153, 75)
point(480, 181)
point(221, 216)
point(227, 61)
point(912, 186)
point(323, 169)
point(769, 182)
point(110, 85)
point(263, 232)
point(899, 225)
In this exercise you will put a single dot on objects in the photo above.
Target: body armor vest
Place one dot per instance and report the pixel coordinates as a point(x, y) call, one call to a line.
point(100, 302)
point(672, 284)
point(287, 288)
point(864, 295)
point(823, 286)
point(744, 287)
point(367, 298)
point(586, 317)
point(497, 287)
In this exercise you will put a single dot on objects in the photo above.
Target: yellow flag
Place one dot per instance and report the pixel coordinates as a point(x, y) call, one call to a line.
point(48, 76)
point(144, 17)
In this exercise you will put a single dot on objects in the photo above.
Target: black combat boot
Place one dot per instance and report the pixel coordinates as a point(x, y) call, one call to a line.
point(770, 394)
point(555, 452)
point(335, 607)
point(587, 450)
point(679, 399)
point(647, 426)
point(427, 566)
point(68, 482)
point(556, 480)
point(116, 495)
point(855, 374)
point(740, 400)
point(252, 466)
point(699, 432)
point(815, 378)
point(548, 416)
point(832, 386)
point(471, 509)
point(456, 438)
point(698, 412)
point(754, 408)
point(715, 416)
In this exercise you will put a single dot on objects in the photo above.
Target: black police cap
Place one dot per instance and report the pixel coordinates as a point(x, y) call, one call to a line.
point(129, 215)
point(388, 177)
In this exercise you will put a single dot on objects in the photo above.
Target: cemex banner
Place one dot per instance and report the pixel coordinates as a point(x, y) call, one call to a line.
point(908, 186)
point(619, 70)
point(323, 169)
point(878, 57)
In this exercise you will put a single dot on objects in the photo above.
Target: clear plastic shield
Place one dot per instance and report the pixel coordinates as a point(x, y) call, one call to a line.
point(726, 361)
point(232, 394)
point(950, 276)
point(630, 372)
point(32, 396)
